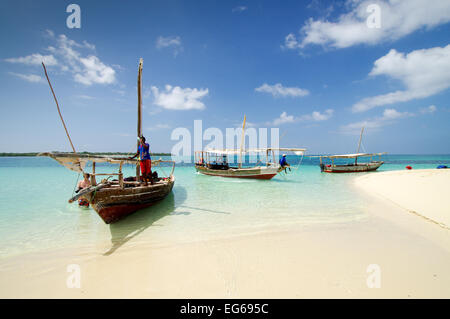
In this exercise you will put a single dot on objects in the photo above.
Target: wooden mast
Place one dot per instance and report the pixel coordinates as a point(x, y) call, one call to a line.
point(359, 144)
point(139, 121)
point(242, 142)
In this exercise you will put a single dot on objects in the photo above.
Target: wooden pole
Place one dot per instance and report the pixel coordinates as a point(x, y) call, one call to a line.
point(60, 115)
point(139, 121)
point(242, 142)
point(120, 175)
point(93, 180)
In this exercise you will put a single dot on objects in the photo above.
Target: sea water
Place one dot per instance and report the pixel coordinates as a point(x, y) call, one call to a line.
point(35, 215)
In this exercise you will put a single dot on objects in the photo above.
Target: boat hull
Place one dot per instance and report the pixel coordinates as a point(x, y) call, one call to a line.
point(367, 167)
point(113, 204)
point(251, 173)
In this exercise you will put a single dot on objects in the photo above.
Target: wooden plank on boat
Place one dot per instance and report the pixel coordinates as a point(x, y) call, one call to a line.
point(87, 191)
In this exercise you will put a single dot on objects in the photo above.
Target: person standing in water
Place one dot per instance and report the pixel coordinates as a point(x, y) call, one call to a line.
point(85, 183)
point(145, 160)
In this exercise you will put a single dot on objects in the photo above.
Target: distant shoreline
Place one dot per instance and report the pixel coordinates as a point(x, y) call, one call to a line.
point(31, 154)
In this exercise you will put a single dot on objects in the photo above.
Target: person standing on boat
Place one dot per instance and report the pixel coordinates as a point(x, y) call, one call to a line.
point(284, 163)
point(145, 160)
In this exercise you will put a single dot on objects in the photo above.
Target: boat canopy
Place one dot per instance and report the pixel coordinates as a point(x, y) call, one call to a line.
point(77, 162)
point(297, 151)
point(352, 155)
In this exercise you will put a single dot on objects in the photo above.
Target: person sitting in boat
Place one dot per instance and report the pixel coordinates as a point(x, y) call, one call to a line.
point(145, 160)
point(284, 164)
point(85, 183)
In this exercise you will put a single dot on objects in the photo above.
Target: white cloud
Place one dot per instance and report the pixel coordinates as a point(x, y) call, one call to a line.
point(398, 18)
point(86, 69)
point(85, 97)
point(423, 72)
point(170, 42)
point(94, 71)
point(34, 59)
point(315, 116)
point(428, 110)
point(284, 118)
point(239, 9)
point(389, 116)
point(278, 90)
point(290, 42)
point(177, 98)
point(28, 77)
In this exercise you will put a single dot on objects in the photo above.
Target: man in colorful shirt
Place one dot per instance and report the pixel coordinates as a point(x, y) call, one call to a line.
point(145, 160)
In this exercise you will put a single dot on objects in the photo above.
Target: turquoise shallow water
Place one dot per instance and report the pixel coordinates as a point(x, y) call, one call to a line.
point(35, 215)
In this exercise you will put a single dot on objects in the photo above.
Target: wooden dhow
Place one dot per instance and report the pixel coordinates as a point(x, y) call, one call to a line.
point(116, 197)
point(328, 162)
point(215, 162)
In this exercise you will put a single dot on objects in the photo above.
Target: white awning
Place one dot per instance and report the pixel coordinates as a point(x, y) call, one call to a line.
point(297, 151)
point(352, 155)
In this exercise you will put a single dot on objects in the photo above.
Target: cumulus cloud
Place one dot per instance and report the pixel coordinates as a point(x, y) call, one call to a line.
point(34, 59)
point(278, 90)
point(388, 117)
point(284, 118)
point(315, 116)
point(94, 71)
point(173, 42)
point(428, 110)
point(423, 72)
point(177, 98)
point(28, 77)
point(398, 18)
point(67, 55)
point(239, 9)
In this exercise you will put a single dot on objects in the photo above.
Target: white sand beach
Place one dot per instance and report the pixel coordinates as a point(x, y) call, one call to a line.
point(327, 261)
point(424, 192)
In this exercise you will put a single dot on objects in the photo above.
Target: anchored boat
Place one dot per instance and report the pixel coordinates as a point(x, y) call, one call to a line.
point(116, 197)
point(353, 166)
point(215, 162)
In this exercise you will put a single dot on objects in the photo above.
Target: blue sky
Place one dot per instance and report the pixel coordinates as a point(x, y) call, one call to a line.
point(312, 68)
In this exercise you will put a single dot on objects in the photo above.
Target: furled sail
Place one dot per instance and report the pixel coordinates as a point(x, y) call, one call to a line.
point(78, 162)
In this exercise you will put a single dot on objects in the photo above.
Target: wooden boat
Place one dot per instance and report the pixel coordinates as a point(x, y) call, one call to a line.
point(120, 197)
point(215, 162)
point(354, 166)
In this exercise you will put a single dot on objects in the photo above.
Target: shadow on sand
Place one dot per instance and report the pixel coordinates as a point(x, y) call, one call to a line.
point(133, 225)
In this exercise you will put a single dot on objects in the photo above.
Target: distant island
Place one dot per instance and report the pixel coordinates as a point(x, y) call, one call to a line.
point(84, 153)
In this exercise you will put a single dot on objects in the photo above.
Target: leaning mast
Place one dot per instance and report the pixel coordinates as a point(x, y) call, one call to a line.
point(242, 143)
point(359, 143)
